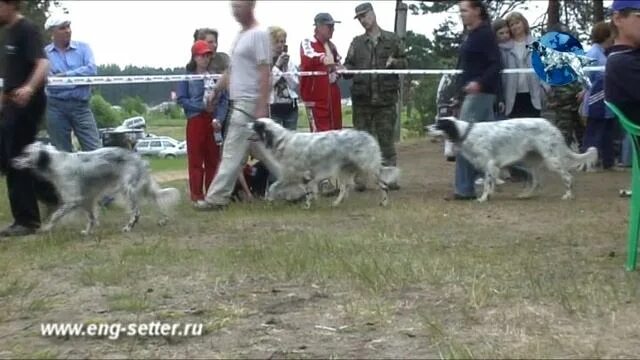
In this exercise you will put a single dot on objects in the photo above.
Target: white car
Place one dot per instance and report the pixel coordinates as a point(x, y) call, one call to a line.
point(174, 152)
point(154, 146)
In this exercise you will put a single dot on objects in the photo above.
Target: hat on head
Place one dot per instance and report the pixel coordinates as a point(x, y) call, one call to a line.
point(324, 19)
point(57, 20)
point(363, 9)
point(619, 5)
point(200, 47)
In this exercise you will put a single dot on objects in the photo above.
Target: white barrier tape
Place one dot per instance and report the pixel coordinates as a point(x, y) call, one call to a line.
point(138, 79)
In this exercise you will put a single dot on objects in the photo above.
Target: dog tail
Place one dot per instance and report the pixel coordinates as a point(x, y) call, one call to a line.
point(166, 198)
point(587, 160)
point(389, 174)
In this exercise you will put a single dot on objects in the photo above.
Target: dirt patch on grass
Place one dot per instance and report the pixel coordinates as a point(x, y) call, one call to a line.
point(423, 278)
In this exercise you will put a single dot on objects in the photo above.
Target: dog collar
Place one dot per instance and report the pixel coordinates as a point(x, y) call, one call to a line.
point(466, 133)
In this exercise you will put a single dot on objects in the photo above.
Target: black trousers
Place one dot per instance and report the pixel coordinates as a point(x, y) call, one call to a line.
point(18, 128)
point(522, 107)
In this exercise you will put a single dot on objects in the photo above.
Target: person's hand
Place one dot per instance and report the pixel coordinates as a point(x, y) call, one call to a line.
point(472, 88)
point(261, 112)
point(327, 61)
point(283, 60)
point(22, 95)
point(501, 107)
point(390, 61)
point(216, 125)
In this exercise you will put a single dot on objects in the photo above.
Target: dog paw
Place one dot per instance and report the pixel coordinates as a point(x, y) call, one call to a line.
point(85, 232)
point(163, 222)
point(524, 196)
point(483, 199)
point(45, 229)
point(126, 228)
point(567, 196)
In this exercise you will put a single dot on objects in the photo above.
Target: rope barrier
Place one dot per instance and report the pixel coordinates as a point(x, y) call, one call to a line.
point(138, 79)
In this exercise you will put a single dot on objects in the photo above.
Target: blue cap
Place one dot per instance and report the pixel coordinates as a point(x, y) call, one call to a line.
point(619, 5)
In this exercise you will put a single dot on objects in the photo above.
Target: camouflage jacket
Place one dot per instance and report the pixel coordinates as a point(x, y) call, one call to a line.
point(375, 89)
point(564, 97)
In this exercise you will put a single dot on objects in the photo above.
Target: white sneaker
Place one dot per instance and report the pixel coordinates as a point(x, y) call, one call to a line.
point(200, 204)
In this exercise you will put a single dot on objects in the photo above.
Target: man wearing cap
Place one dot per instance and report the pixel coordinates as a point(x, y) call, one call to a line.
point(320, 93)
point(375, 96)
point(68, 106)
point(23, 104)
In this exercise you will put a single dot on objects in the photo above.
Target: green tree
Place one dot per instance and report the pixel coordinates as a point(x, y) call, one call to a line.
point(133, 106)
point(104, 113)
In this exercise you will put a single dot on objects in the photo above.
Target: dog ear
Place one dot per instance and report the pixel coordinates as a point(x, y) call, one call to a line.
point(43, 161)
point(449, 127)
point(268, 138)
point(259, 127)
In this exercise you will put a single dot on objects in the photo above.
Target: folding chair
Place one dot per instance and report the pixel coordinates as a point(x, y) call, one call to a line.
point(634, 210)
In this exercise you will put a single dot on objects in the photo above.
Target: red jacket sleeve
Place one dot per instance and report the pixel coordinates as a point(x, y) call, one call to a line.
point(310, 59)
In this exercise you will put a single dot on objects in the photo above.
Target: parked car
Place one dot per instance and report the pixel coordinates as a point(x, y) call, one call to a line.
point(125, 138)
point(154, 146)
point(136, 122)
point(174, 152)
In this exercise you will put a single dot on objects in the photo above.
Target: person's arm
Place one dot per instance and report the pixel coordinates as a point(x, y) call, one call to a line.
point(349, 61)
point(183, 98)
point(88, 68)
point(34, 52)
point(398, 59)
point(309, 57)
point(492, 52)
point(292, 79)
point(263, 62)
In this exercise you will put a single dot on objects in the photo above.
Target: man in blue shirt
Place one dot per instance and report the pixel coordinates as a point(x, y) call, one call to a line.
point(68, 106)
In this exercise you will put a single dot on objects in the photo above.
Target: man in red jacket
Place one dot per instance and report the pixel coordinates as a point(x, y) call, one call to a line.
point(320, 93)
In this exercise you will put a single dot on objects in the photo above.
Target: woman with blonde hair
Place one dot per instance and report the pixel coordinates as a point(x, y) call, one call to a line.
point(523, 91)
point(284, 98)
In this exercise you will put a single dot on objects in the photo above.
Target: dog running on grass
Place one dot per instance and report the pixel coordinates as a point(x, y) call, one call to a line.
point(83, 178)
point(306, 159)
point(493, 145)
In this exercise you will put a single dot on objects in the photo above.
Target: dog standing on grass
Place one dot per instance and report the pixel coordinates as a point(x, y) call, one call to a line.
point(306, 159)
point(83, 178)
point(493, 145)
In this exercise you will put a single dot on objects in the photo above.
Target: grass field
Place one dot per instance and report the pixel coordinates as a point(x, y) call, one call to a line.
point(423, 278)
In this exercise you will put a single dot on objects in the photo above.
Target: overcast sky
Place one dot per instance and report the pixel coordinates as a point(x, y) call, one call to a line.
point(160, 33)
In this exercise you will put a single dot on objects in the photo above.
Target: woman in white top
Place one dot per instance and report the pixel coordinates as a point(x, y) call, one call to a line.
point(284, 84)
point(523, 91)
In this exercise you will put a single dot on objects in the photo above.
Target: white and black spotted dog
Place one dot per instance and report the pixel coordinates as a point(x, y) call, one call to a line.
point(493, 145)
point(306, 159)
point(84, 178)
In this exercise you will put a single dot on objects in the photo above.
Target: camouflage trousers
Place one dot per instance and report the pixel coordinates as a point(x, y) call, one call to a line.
point(570, 125)
point(378, 121)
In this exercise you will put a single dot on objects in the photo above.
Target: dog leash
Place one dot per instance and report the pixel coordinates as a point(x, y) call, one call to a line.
point(466, 132)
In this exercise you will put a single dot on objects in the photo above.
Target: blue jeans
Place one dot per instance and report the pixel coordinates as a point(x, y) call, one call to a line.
point(63, 116)
point(600, 133)
point(627, 151)
point(475, 108)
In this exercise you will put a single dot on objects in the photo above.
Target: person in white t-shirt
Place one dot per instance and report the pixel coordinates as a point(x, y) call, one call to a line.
point(249, 82)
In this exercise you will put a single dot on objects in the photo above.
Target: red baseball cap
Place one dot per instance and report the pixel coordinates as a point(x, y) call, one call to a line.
point(200, 47)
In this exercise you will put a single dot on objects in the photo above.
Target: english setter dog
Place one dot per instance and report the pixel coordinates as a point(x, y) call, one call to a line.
point(490, 146)
point(306, 159)
point(83, 178)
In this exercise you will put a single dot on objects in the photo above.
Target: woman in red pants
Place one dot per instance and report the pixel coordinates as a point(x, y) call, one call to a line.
point(203, 153)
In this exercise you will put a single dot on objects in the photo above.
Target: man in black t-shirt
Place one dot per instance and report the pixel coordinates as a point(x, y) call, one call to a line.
point(23, 106)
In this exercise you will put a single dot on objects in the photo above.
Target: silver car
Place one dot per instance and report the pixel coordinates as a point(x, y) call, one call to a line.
point(154, 146)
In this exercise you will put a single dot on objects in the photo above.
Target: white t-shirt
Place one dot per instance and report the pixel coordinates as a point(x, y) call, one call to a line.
point(251, 48)
point(520, 48)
